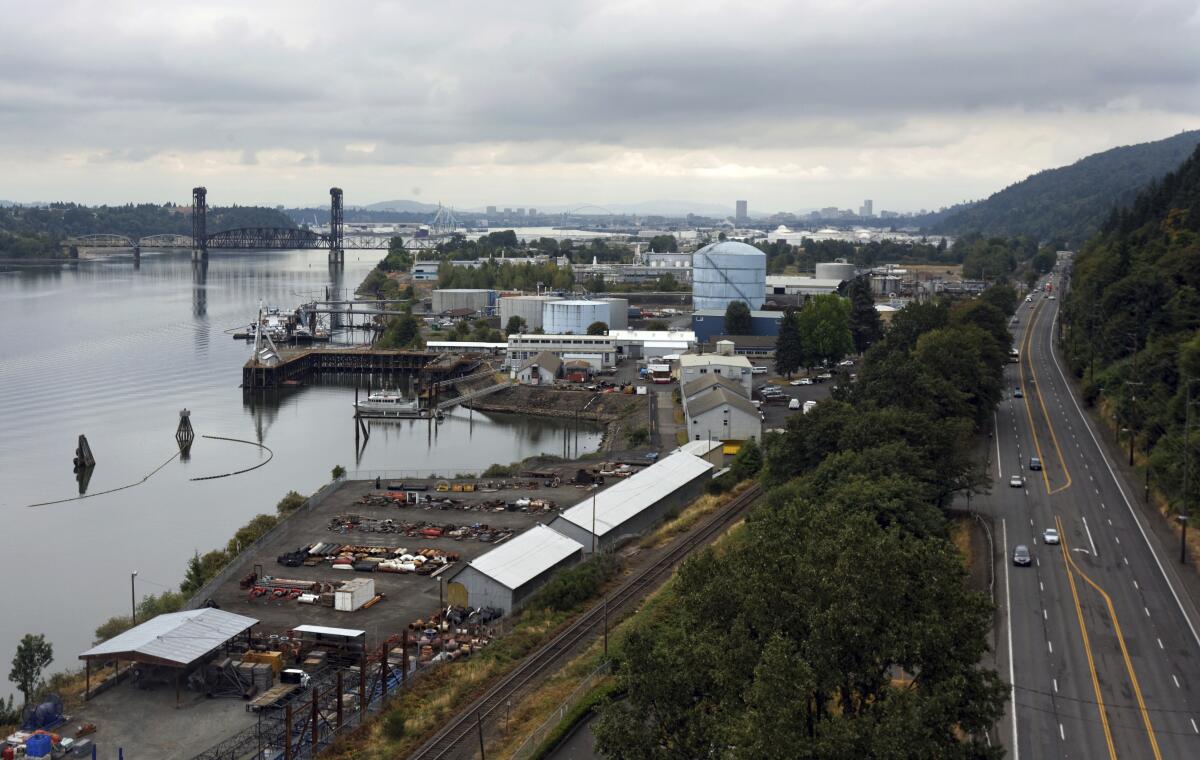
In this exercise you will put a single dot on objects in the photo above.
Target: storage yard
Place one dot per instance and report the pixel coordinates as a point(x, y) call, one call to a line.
point(403, 549)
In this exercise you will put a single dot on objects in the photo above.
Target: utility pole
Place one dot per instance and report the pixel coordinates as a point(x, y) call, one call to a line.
point(132, 598)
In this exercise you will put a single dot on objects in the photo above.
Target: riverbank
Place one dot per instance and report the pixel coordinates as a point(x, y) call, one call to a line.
point(619, 413)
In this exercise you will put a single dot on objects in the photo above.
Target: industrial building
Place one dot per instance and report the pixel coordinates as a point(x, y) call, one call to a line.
point(634, 505)
point(479, 301)
point(720, 413)
point(574, 317)
point(709, 323)
point(801, 286)
point(835, 270)
point(542, 369)
point(599, 348)
point(425, 271)
point(508, 574)
point(728, 271)
point(652, 344)
point(710, 451)
point(707, 384)
point(695, 366)
point(528, 308)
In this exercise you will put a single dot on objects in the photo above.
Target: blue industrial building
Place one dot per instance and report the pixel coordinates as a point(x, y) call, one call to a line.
point(709, 323)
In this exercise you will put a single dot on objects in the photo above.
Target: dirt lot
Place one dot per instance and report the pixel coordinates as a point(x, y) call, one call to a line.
point(408, 596)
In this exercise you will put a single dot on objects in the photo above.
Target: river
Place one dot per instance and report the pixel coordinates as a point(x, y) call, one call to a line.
point(102, 349)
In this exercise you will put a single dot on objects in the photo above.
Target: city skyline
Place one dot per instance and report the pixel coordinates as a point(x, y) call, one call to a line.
point(591, 102)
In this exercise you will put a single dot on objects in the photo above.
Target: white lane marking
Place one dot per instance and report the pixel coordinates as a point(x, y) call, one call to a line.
point(1160, 646)
point(1031, 521)
point(1089, 535)
point(1124, 497)
point(1050, 646)
point(1117, 538)
point(1135, 584)
point(1194, 727)
point(1176, 680)
point(1055, 684)
point(1012, 679)
point(1041, 586)
point(1126, 560)
point(999, 471)
point(1061, 735)
point(1045, 615)
point(1147, 610)
point(1109, 522)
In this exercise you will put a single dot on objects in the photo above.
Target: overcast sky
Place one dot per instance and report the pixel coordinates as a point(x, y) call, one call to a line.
point(790, 105)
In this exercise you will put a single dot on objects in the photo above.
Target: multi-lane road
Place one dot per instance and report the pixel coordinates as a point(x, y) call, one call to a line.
point(1096, 635)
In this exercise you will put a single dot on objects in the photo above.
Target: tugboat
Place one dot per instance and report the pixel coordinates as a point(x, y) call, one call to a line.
point(388, 404)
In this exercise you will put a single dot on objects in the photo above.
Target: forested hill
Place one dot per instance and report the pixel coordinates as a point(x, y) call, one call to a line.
point(36, 232)
point(1072, 202)
point(1133, 318)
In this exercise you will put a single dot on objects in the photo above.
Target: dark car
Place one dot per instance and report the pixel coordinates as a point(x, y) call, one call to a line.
point(1035, 463)
point(1021, 556)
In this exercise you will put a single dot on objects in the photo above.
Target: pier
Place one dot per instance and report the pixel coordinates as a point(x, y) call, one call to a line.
point(295, 367)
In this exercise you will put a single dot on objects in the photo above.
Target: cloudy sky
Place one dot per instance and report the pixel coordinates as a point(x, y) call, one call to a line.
point(790, 105)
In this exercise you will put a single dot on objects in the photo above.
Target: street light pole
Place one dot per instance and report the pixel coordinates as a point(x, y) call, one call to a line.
point(132, 598)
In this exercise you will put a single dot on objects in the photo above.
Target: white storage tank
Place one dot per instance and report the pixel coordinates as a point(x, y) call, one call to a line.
point(353, 594)
point(573, 317)
point(618, 313)
point(728, 271)
point(835, 270)
point(528, 308)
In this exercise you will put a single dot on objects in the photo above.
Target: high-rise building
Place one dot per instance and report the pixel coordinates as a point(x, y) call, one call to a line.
point(491, 210)
point(520, 212)
point(867, 209)
point(533, 212)
point(741, 214)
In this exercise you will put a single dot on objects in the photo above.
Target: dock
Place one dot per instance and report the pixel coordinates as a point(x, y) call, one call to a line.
point(297, 366)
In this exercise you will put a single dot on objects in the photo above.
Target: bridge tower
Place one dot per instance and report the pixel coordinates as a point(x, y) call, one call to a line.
point(337, 255)
point(199, 223)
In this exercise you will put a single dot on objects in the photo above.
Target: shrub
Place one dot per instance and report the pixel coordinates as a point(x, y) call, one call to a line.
point(290, 503)
point(568, 588)
point(393, 725)
point(501, 470)
point(338, 472)
point(638, 436)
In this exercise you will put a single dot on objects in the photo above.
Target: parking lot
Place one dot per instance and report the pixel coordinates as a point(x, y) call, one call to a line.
point(776, 412)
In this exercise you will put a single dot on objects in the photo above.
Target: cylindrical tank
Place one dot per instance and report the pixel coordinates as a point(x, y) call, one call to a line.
point(573, 317)
point(728, 271)
point(528, 308)
point(835, 270)
point(618, 313)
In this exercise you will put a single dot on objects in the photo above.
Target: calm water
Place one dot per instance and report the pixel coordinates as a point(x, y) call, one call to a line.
point(114, 353)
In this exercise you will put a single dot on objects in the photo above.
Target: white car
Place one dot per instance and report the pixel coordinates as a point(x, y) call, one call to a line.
point(1050, 536)
point(758, 370)
point(801, 381)
point(794, 404)
point(846, 363)
point(1017, 481)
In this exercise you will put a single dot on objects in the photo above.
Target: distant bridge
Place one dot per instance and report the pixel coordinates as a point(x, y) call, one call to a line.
point(249, 238)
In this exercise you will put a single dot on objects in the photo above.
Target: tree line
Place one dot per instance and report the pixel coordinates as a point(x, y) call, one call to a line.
point(837, 623)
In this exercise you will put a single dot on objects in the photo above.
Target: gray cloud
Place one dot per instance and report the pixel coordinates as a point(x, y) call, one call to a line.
point(452, 87)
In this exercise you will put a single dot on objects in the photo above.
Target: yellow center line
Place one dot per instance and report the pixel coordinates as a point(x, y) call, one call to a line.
point(1037, 387)
point(1087, 647)
point(1037, 444)
point(1112, 613)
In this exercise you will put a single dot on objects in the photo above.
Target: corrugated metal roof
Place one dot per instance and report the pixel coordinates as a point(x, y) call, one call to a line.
point(326, 630)
point(519, 560)
point(177, 637)
point(718, 397)
point(701, 447)
point(617, 504)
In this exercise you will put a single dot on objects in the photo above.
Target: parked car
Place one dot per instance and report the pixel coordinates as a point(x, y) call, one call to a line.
point(652, 456)
point(1017, 481)
point(846, 363)
point(802, 381)
point(1021, 556)
point(1035, 463)
point(824, 376)
point(758, 370)
point(1050, 536)
point(794, 404)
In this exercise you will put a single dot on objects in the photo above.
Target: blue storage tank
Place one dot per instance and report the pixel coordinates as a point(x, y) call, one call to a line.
point(38, 745)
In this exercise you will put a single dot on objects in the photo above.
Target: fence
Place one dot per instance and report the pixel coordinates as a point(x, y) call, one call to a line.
point(539, 734)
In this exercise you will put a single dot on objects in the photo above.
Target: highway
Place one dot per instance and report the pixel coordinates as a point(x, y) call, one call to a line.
point(1096, 636)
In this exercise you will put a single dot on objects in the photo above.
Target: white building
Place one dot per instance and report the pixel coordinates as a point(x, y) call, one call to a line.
point(542, 369)
point(694, 366)
point(805, 286)
point(508, 574)
point(601, 348)
point(722, 414)
point(574, 317)
point(425, 271)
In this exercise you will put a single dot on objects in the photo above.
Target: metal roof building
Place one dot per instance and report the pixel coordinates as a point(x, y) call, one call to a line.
point(635, 504)
point(508, 574)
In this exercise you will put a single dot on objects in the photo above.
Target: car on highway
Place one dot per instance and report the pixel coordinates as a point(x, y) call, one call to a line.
point(1028, 299)
point(1051, 296)
point(1016, 481)
point(1017, 393)
point(1021, 556)
point(801, 381)
point(1050, 536)
point(1035, 463)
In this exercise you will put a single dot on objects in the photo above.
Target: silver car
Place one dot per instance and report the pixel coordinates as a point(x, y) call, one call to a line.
point(1021, 556)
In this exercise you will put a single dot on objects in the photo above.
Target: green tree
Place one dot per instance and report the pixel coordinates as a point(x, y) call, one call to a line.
point(824, 325)
point(33, 654)
point(515, 325)
point(597, 328)
point(789, 348)
point(664, 244)
point(657, 324)
point(338, 472)
point(737, 319)
point(865, 325)
point(401, 332)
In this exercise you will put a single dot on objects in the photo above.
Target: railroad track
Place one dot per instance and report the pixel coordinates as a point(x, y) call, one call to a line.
point(445, 741)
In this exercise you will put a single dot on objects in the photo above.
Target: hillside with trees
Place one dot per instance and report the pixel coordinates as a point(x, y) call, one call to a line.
point(1070, 203)
point(37, 232)
point(1132, 315)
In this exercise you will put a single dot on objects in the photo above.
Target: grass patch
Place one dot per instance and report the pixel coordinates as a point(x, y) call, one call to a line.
point(960, 536)
point(692, 514)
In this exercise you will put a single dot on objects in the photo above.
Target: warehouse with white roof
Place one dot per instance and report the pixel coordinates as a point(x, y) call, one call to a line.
point(510, 573)
point(634, 505)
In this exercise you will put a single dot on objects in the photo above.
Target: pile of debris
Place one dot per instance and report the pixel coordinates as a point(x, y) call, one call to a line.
point(347, 523)
point(367, 559)
point(453, 633)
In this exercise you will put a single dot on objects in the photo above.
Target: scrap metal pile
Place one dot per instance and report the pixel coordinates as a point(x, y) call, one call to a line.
point(453, 633)
point(347, 523)
point(369, 559)
point(426, 501)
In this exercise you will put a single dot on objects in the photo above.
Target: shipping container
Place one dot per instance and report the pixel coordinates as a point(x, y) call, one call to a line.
point(353, 594)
